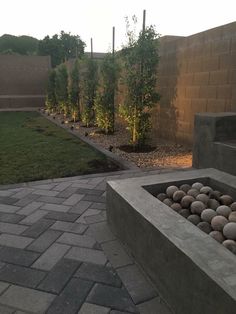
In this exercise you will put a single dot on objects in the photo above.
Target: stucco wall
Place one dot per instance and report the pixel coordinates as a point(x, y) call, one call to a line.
point(23, 80)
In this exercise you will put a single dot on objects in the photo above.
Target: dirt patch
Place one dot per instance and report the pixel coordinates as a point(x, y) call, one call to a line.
point(137, 149)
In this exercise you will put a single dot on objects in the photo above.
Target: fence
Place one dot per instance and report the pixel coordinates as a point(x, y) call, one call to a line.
point(23, 80)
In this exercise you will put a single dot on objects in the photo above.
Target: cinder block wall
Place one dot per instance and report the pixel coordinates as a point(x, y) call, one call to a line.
point(23, 80)
point(196, 74)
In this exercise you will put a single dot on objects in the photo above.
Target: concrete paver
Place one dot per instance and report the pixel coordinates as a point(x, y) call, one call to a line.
point(14, 241)
point(136, 283)
point(88, 308)
point(51, 256)
point(58, 254)
point(27, 299)
point(116, 254)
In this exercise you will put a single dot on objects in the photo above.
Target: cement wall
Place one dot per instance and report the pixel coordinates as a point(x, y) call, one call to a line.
point(23, 80)
point(214, 143)
point(196, 74)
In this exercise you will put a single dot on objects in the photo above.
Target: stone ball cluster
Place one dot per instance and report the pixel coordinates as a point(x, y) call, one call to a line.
point(210, 210)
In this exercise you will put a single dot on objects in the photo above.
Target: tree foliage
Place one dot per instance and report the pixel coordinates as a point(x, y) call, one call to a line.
point(140, 67)
point(61, 88)
point(74, 91)
point(61, 47)
point(104, 102)
point(51, 100)
point(24, 45)
point(90, 83)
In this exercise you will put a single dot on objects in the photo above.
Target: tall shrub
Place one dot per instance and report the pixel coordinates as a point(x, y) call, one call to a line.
point(90, 83)
point(74, 92)
point(62, 88)
point(104, 102)
point(51, 101)
point(140, 58)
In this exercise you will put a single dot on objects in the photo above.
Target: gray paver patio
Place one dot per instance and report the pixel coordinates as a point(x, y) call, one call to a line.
point(58, 255)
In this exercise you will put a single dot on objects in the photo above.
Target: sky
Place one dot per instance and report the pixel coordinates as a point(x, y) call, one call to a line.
point(95, 18)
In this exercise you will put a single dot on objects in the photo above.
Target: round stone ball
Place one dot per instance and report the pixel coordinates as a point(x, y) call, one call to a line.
point(187, 201)
point(185, 187)
point(217, 235)
point(168, 201)
point(176, 207)
point(218, 223)
point(202, 198)
point(229, 231)
point(178, 195)
point(213, 204)
point(185, 212)
point(215, 195)
point(230, 245)
point(206, 190)
point(194, 219)
point(197, 207)
point(223, 210)
point(208, 214)
point(193, 192)
point(171, 190)
point(204, 226)
point(226, 200)
point(197, 186)
point(233, 207)
point(232, 217)
point(161, 196)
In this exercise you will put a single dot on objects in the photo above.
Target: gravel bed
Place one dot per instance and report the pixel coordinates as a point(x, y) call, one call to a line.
point(165, 154)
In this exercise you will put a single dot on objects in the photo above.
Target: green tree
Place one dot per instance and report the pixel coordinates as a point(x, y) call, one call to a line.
point(90, 83)
point(74, 91)
point(72, 46)
point(51, 46)
point(24, 45)
point(51, 101)
point(61, 47)
point(140, 67)
point(104, 102)
point(61, 88)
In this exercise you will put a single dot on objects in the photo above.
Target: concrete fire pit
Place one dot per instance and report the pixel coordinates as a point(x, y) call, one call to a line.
point(192, 272)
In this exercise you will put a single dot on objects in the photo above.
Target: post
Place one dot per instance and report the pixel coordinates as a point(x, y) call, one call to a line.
point(142, 61)
point(113, 98)
point(91, 41)
point(76, 52)
point(113, 40)
point(144, 20)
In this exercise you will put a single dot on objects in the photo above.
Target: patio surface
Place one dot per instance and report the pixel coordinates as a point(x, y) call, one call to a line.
point(57, 254)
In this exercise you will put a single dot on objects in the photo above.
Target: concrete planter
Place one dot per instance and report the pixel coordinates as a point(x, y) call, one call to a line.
point(191, 271)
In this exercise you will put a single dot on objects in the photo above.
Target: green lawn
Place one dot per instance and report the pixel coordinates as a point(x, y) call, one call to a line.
point(33, 148)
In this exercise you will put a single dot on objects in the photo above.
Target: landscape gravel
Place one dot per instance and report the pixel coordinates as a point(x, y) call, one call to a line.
point(165, 153)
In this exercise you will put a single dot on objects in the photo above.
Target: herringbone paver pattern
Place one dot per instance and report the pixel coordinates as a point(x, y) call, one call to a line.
point(58, 255)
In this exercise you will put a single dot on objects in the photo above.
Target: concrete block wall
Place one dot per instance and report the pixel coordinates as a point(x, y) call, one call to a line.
point(196, 74)
point(23, 80)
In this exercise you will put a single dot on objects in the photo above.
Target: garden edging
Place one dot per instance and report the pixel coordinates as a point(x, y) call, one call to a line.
point(124, 164)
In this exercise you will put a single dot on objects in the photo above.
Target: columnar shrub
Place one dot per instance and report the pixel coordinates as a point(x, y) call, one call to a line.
point(140, 67)
point(62, 88)
point(51, 101)
point(104, 102)
point(90, 82)
point(74, 92)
